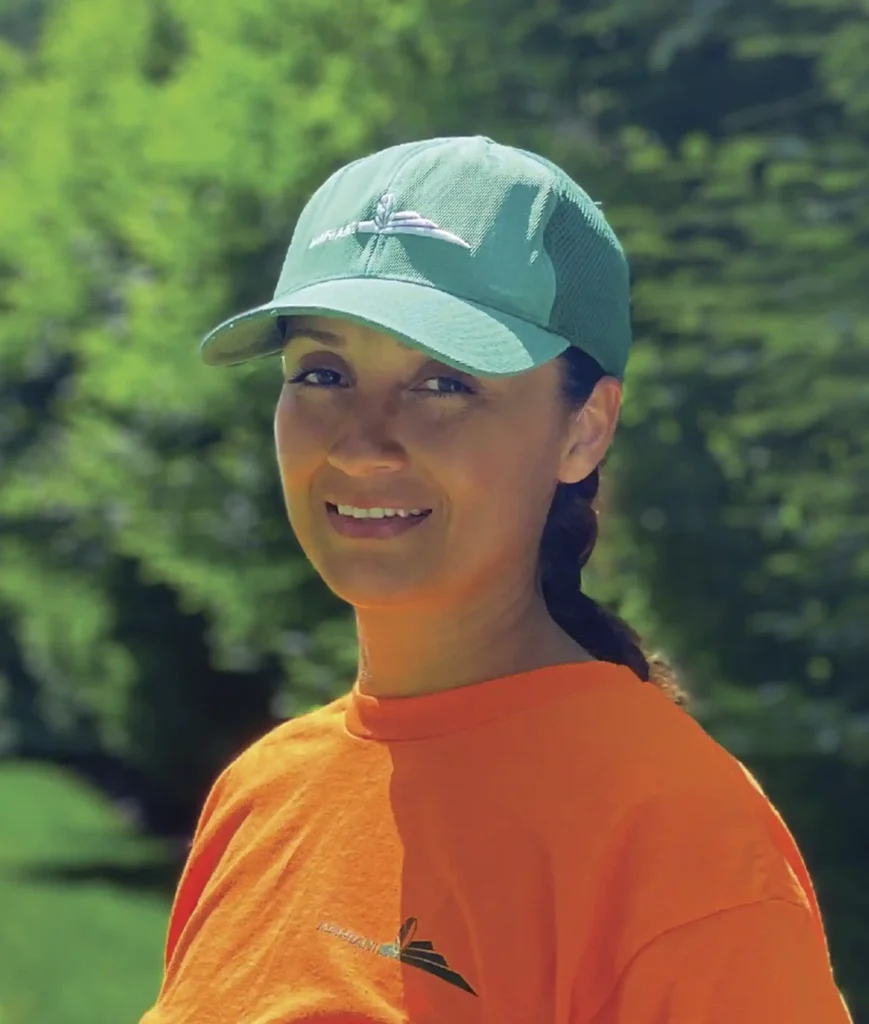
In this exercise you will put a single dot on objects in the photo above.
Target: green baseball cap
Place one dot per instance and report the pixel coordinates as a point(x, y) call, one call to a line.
point(487, 257)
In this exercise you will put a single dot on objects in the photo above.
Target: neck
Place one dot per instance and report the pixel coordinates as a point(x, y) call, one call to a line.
point(411, 651)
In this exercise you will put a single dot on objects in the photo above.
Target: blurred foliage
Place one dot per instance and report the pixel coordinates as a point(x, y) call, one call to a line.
point(153, 158)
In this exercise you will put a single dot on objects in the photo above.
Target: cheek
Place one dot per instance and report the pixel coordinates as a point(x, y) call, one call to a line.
point(499, 495)
point(301, 445)
point(300, 441)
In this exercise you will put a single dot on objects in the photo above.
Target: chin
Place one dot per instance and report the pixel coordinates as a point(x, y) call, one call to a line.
point(375, 587)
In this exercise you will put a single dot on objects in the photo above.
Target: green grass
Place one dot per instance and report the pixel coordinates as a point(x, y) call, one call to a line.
point(83, 905)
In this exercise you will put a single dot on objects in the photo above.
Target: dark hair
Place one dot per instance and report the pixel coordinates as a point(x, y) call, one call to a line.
point(568, 541)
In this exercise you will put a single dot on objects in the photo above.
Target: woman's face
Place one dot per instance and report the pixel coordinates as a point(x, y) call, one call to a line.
point(364, 423)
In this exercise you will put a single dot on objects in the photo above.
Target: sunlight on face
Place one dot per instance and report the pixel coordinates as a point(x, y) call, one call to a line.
point(366, 422)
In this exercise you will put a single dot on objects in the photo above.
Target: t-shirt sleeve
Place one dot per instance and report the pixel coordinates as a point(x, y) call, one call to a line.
point(210, 838)
point(209, 843)
point(751, 964)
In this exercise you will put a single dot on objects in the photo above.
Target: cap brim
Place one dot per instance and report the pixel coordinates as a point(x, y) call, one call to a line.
point(463, 334)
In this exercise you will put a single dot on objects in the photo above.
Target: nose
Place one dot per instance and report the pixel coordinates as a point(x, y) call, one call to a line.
point(367, 448)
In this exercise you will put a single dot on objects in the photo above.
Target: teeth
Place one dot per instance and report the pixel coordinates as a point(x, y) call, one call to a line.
point(376, 513)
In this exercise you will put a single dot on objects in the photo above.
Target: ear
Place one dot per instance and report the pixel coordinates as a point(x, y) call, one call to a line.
point(590, 431)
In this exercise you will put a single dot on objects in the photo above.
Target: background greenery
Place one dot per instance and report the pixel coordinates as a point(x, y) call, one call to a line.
point(155, 613)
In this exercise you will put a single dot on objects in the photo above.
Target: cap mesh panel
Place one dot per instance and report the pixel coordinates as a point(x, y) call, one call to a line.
point(592, 290)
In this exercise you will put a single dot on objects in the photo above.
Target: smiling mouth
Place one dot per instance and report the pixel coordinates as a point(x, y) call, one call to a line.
point(374, 524)
point(376, 514)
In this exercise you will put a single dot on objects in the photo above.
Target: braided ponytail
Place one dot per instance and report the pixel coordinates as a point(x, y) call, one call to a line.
point(568, 540)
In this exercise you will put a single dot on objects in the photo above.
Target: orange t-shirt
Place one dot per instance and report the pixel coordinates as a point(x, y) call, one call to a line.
point(563, 846)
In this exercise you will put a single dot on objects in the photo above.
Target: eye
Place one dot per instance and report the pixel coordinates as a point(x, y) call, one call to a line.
point(443, 386)
point(316, 378)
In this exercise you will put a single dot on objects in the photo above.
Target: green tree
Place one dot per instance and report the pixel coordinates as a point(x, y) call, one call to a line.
point(154, 159)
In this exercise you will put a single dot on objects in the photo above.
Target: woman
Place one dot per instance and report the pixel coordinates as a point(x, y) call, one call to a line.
point(511, 817)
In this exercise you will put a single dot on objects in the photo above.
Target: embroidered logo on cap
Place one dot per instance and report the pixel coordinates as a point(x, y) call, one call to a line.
point(389, 221)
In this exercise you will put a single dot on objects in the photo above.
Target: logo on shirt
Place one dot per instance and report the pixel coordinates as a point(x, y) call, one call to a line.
point(389, 221)
point(416, 954)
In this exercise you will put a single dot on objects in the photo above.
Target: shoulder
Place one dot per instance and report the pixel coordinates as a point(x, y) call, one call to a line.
point(691, 832)
point(314, 725)
point(639, 741)
point(669, 775)
point(253, 790)
point(286, 750)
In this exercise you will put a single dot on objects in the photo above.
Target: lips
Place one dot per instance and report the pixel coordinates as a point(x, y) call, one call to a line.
point(375, 527)
point(378, 512)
